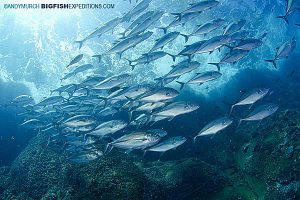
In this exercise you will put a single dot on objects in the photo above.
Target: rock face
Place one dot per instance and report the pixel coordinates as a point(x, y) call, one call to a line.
point(41, 173)
point(183, 179)
point(266, 166)
point(258, 163)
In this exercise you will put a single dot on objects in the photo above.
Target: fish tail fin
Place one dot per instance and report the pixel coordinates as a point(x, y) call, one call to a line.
point(228, 46)
point(263, 36)
point(144, 154)
point(284, 17)
point(108, 148)
point(231, 109)
point(130, 63)
point(130, 112)
point(216, 64)
point(186, 37)
point(194, 139)
point(160, 80)
point(181, 84)
point(240, 121)
point(104, 99)
point(80, 42)
point(273, 62)
point(97, 56)
point(131, 102)
point(165, 29)
point(177, 15)
point(173, 57)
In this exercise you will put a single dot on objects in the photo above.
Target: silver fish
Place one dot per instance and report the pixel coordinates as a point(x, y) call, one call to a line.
point(182, 68)
point(237, 36)
point(75, 60)
point(201, 78)
point(166, 39)
point(146, 24)
point(108, 128)
point(249, 44)
point(289, 9)
point(125, 44)
point(198, 7)
point(91, 81)
point(107, 112)
point(190, 50)
point(206, 28)
point(22, 100)
point(86, 157)
point(234, 27)
point(34, 124)
point(108, 26)
point(149, 106)
point(138, 140)
point(77, 70)
point(51, 101)
point(249, 98)
point(181, 21)
point(138, 21)
point(212, 44)
point(130, 92)
point(168, 144)
point(79, 120)
point(284, 51)
point(61, 89)
point(177, 108)
point(232, 57)
point(139, 8)
point(112, 82)
point(214, 127)
point(261, 112)
point(147, 58)
point(160, 94)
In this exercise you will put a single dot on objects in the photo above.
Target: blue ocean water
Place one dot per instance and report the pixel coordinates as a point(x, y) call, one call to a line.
point(37, 45)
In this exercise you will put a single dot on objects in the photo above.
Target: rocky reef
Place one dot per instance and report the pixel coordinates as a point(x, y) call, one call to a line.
point(253, 162)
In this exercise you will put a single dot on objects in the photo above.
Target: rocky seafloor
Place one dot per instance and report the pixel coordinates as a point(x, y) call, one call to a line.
point(253, 162)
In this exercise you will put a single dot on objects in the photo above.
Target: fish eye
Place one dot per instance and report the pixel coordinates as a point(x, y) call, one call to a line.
point(168, 94)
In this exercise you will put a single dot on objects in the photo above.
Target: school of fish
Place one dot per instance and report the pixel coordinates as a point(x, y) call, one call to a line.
point(76, 116)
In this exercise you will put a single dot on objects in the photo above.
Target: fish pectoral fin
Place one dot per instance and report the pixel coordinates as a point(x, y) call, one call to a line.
point(171, 118)
point(128, 151)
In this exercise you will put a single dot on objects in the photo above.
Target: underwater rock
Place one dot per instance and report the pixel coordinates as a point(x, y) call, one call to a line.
point(41, 173)
point(271, 157)
point(184, 179)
